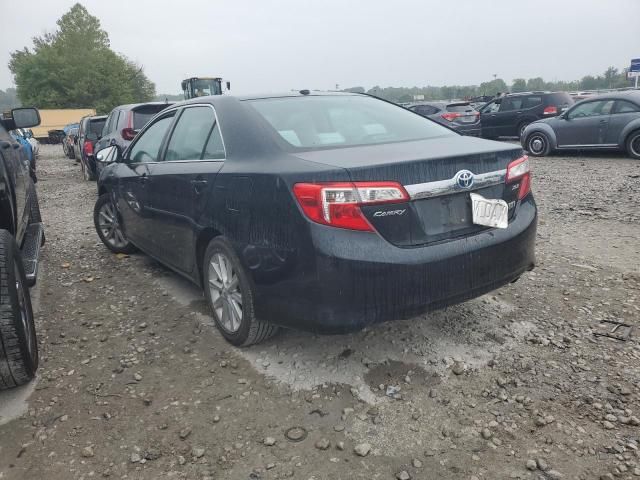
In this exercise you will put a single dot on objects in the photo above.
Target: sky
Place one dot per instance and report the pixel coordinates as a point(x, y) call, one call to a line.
point(279, 45)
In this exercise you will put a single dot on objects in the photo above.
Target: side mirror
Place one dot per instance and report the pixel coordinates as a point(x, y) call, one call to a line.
point(109, 155)
point(25, 117)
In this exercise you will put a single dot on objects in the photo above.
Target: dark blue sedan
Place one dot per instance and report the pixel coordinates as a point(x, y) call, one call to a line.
point(325, 212)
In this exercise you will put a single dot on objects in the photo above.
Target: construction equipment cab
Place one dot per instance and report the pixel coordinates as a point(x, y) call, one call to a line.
point(203, 86)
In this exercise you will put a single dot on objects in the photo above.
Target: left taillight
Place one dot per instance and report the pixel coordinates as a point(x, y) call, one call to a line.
point(550, 110)
point(88, 147)
point(451, 116)
point(520, 171)
point(337, 204)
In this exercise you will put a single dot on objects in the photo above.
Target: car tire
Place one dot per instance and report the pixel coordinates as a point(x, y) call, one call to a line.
point(230, 293)
point(633, 144)
point(87, 174)
point(106, 219)
point(538, 144)
point(18, 341)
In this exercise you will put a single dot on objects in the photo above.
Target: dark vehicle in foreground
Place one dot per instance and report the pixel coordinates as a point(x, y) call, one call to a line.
point(124, 123)
point(325, 212)
point(21, 236)
point(605, 122)
point(89, 133)
point(459, 116)
point(508, 116)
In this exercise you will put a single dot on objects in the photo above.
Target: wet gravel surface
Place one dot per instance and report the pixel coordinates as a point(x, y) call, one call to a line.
point(135, 383)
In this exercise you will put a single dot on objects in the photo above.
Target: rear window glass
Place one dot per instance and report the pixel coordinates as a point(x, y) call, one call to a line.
point(459, 108)
point(560, 98)
point(96, 126)
point(343, 121)
point(142, 115)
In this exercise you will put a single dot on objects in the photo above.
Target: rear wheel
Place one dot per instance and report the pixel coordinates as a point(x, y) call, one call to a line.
point(107, 222)
point(633, 144)
point(229, 292)
point(18, 342)
point(538, 144)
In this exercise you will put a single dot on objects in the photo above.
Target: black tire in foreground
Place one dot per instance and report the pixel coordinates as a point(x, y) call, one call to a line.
point(107, 222)
point(633, 144)
point(229, 292)
point(538, 144)
point(18, 342)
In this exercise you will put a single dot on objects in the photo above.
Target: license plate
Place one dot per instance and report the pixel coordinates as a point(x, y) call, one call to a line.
point(489, 212)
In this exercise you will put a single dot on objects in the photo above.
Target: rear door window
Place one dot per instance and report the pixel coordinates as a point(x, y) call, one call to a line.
point(190, 135)
point(623, 106)
point(215, 147)
point(510, 104)
point(533, 101)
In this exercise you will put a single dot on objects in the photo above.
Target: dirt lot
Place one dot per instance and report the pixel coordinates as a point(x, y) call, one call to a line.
point(135, 382)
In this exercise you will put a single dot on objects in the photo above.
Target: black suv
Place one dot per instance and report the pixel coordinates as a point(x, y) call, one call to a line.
point(507, 116)
point(124, 122)
point(21, 236)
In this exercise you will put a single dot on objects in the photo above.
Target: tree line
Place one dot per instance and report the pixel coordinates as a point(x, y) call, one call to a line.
point(611, 78)
point(74, 67)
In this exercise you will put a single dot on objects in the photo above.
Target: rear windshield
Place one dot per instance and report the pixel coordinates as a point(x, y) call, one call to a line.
point(459, 107)
point(96, 126)
point(560, 98)
point(342, 121)
point(142, 115)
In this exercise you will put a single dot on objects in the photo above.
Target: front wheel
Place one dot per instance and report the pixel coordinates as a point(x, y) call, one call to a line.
point(633, 144)
point(107, 222)
point(538, 144)
point(229, 292)
point(521, 129)
point(18, 342)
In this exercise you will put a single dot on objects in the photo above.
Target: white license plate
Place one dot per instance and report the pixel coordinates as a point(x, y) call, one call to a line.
point(489, 212)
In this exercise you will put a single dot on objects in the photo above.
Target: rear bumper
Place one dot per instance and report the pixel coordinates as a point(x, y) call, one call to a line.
point(473, 130)
point(357, 278)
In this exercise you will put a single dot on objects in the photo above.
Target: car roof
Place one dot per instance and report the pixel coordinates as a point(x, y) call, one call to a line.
point(624, 95)
point(131, 106)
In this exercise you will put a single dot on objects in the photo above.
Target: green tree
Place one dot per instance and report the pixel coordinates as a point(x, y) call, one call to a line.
point(589, 82)
point(493, 87)
point(519, 85)
point(536, 84)
point(75, 67)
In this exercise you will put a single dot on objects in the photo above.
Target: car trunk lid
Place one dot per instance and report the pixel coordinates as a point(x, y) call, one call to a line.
point(439, 207)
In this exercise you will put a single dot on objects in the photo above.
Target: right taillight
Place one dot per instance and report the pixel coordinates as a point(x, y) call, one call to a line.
point(551, 110)
point(520, 171)
point(451, 116)
point(128, 133)
point(338, 203)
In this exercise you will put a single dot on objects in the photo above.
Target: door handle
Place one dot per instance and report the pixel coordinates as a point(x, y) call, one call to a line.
point(5, 145)
point(144, 178)
point(16, 146)
point(198, 185)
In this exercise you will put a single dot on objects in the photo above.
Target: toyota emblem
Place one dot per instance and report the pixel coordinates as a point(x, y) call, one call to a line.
point(464, 179)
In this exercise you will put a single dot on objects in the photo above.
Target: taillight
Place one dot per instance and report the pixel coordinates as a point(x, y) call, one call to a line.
point(551, 110)
point(338, 204)
point(128, 133)
point(451, 116)
point(519, 170)
point(88, 147)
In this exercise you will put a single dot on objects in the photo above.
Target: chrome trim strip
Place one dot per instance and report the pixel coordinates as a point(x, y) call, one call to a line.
point(591, 145)
point(446, 187)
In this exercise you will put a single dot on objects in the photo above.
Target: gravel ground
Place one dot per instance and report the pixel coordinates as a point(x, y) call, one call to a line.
point(135, 383)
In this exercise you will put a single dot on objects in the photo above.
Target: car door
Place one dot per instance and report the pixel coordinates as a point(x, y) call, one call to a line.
point(623, 112)
point(18, 172)
point(508, 117)
point(489, 118)
point(585, 125)
point(133, 175)
point(180, 186)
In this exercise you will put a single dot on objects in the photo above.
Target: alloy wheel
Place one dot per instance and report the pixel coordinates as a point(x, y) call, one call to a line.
point(25, 315)
point(226, 296)
point(109, 225)
point(635, 146)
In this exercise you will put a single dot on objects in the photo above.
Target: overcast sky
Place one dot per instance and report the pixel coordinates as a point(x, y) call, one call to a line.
point(275, 45)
